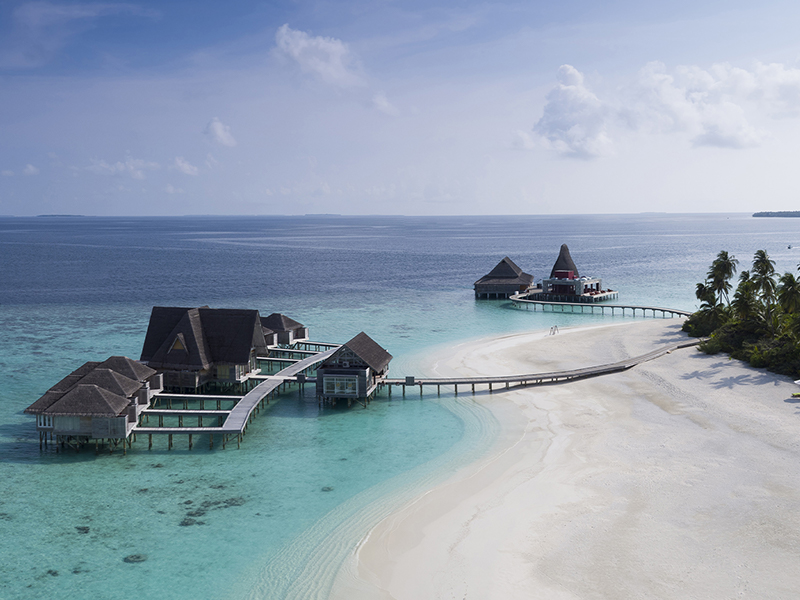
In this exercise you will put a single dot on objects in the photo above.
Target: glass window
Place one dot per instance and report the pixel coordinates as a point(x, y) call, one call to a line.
point(341, 386)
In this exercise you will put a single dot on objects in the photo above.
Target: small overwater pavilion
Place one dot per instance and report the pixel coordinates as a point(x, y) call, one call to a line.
point(505, 280)
point(353, 372)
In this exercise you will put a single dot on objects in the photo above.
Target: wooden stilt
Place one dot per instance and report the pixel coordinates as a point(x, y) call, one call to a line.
point(149, 441)
point(211, 441)
point(170, 441)
point(190, 441)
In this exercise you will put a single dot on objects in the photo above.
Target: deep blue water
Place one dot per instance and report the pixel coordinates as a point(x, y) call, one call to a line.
point(78, 289)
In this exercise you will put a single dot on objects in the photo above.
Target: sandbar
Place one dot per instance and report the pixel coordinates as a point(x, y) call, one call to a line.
point(678, 478)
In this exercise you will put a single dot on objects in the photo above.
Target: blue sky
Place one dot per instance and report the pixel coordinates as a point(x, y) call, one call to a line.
point(175, 107)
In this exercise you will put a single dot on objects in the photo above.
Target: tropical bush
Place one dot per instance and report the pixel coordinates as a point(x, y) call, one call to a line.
point(760, 324)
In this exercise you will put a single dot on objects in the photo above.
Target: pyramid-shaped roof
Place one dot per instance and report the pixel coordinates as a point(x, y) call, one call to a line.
point(128, 367)
point(279, 322)
point(564, 262)
point(105, 376)
point(88, 400)
point(505, 268)
point(506, 272)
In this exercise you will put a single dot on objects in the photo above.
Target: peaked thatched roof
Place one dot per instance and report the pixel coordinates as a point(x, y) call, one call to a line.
point(232, 333)
point(111, 381)
point(88, 401)
point(505, 268)
point(369, 351)
point(128, 367)
point(196, 338)
point(564, 262)
point(278, 322)
point(76, 395)
point(506, 272)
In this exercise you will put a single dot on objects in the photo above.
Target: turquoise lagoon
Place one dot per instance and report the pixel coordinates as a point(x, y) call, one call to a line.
point(277, 517)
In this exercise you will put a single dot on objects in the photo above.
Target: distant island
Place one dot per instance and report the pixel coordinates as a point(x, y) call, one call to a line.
point(59, 216)
point(778, 213)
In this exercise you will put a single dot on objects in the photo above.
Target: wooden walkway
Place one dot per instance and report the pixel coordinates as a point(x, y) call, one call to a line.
point(520, 300)
point(507, 381)
point(237, 418)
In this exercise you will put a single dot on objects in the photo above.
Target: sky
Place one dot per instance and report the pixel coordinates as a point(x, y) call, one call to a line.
point(379, 107)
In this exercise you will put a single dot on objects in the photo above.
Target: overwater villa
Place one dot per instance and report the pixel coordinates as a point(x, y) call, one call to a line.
point(97, 401)
point(353, 372)
point(280, 329)
point(565, 284)
point(505, 280)
point(204, 349)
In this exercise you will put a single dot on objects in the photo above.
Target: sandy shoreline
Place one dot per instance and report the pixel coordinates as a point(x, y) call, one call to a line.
point(679, 478)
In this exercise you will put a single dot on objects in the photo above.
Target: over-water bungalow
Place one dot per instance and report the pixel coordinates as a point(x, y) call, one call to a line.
point(98, 400)
point(353, 372)
point(204, 349)
point(503, 281)
point(280, 329)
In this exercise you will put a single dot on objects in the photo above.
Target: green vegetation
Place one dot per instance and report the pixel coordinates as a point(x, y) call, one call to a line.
point(760, 324)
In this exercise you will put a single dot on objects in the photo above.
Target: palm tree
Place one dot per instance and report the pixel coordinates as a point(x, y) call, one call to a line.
point(721, 272)
point(763, 264)
point(745, 304)
point(763, 275)
point(789, 293)
point(706, 294)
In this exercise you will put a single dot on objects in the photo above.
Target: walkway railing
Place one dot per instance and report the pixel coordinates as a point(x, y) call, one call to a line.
point(241, 414)
point(538, 378)
point(520, 300)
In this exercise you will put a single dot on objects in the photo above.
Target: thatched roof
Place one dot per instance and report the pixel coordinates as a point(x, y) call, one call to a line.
point(196, 338)
point(564, 262)
point(128, 367)
point(369, 351)
point(277, 322)
point(76, 394)
point(88, 401)
point(506, 272)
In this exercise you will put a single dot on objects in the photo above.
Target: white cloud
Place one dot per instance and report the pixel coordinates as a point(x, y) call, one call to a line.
point(7, 173)
point(220, 133)
point(715, 106)
point(184, 166)
point(708, 104)
point(381, 102)
point(171, 189)
point(135, 167)
point(41, 29)
point(211, 162)
point(30, 170)
point(328, 58)
point(575, 121)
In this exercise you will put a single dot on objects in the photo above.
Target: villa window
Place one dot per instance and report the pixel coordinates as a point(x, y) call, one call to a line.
point(341, 386)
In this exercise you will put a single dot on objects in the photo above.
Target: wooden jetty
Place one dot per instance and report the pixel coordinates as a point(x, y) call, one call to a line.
point(230, 422)
point(506, 381)
point(519, 300)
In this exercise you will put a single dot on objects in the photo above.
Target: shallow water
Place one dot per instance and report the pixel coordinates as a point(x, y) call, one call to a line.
point(78, 289)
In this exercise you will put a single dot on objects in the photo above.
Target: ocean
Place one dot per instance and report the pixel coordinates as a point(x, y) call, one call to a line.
point(276, 518)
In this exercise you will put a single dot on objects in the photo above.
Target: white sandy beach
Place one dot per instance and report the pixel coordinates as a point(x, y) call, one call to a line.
point(679, 478)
